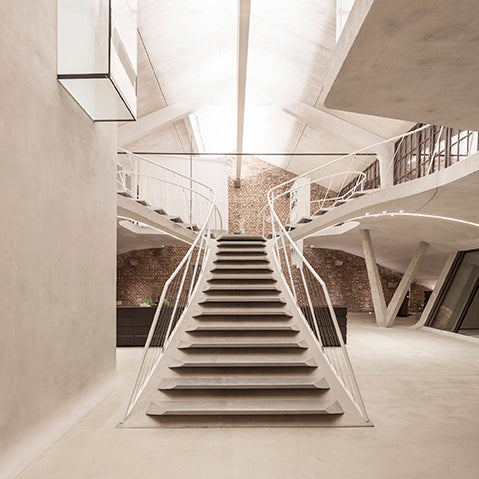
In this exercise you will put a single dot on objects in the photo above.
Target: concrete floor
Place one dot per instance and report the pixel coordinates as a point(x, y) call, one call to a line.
point(421, 390)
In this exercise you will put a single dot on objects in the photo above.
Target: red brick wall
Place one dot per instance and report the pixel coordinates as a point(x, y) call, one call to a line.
point(348, 284)
point(142, 274)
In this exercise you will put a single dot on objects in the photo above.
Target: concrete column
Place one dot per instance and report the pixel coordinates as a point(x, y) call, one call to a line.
point(386, 168)
point(377, 293)
point(440, 282)
point(402, 289)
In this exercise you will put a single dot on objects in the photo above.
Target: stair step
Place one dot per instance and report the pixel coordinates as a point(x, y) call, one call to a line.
point(124, 193)
point(294, 382)
point(247, 268)
point(223, 407)
point(242, 326)
point(190, 226)
point(241, 251)
point(142, 202)
point(244, 361)
point(243, 288)
point(322, 211)
point(306, 219)
point(160, 211)
point(243, 343)
point(241, 259)
point(290, 227)
point(244, 314)
point(241, 244)
point(245, 278)
point(175, 219)
point(234, 301)
point(242, 238)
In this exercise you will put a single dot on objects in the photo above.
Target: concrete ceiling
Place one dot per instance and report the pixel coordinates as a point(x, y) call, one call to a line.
point(408, 59)
point(188, 53)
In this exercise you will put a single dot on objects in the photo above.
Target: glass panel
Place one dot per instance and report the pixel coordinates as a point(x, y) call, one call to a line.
point(459, 292)
point(470, 325)
point(123, 62)
point(98, 97)
point(83, 36)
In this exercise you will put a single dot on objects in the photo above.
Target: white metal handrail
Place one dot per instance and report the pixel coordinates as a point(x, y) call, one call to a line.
point(306, 286)
point(217, 227)
point(287, 187)
point(144, 186)
point(178, 289)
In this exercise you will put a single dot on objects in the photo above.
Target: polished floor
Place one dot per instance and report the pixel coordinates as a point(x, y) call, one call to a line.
point(421, 390)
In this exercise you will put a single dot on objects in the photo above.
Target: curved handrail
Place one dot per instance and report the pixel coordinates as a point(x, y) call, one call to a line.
point(355, 153)
point(184, 188)
point(358, 184)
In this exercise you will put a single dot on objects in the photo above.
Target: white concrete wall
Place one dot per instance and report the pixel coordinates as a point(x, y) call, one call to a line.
point(57, 242)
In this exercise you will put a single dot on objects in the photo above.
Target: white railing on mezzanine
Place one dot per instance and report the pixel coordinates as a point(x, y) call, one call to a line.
point(328, 198)
point(178, 289)
point(176, 193)
point(337, 188)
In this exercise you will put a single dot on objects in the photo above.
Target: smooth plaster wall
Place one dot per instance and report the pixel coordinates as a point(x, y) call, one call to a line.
point(57, 242)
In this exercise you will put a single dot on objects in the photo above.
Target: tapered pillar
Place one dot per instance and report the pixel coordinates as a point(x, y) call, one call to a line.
point(377, 293)
point(402, 289)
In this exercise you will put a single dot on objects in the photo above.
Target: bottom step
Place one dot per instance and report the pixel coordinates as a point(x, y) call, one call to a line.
point(244, 383)
point(222, 407)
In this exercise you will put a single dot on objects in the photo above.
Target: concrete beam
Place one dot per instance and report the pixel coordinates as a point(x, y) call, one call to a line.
point(193, 129)
point(402, 289)
point(134, 130)
point(244, 9)
point(357, 137)
point(377, 292)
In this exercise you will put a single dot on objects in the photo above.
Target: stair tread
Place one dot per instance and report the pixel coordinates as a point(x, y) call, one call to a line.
point(256, 277)
point(241, 326)
point(280, 382)
point(219, 267)
point(175, 219)
point(242, 312)
point(243, 343)
point(241, 244)
point(243, 361)
point(226, 251)
point(242, 299)
point(242, 238)
point(243, 258)
point(242, 287)
point(243, 407)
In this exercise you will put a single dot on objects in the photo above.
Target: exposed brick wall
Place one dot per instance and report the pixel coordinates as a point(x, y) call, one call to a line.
point(142, 274)
point(245, 203)
point(348, 283)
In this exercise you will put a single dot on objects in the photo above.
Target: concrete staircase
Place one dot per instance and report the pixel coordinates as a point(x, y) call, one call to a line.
point(243, 354)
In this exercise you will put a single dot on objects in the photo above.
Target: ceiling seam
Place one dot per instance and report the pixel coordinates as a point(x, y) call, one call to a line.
point(158, 83)
point(303, 130)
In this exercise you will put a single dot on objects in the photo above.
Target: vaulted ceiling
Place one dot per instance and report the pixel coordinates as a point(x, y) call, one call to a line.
point(187, 82)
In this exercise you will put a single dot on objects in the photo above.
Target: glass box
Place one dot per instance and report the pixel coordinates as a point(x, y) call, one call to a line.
point(97, 56)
